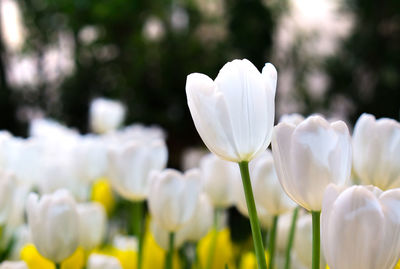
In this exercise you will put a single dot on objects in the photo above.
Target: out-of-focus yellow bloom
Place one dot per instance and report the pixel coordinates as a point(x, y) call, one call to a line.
point(102, 193)
point(397, 265)
point(34, 260)
point(249, 260)
point(154, 255)
point(127, 258)
point(223, 251)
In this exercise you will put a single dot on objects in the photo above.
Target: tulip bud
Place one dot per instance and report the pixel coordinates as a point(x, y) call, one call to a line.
point(267, 190)
point(92, 224)
point(173, 197)
point(54, 224)
point(359, 227)
point(130, 166)
point(234, 114)
point(309, 156)
point(218, 178)
point(13, 265)
point(376, 151)
point(106, 115)
point(100, 261)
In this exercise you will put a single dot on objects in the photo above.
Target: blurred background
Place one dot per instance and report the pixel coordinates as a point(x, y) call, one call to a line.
point(338, 58)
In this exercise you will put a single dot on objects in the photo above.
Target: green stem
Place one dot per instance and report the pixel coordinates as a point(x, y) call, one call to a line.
point(291, 237)
point(58, 265)
point(168, 260)
point(315, 238)
point(271, 244)
point(213, 243)
point(251, 207)
point(138, 228)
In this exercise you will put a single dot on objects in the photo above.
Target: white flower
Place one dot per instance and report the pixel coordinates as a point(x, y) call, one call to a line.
point(173, 197)
point(161, 236)
point(309, 156)
point(267, 190)
point(7, 196)
point(92, 224)
point(130, 166)
point(91, 153)
point(100, 261)
point(293, 118)
point(376, 151)
point(360, 227)
point(201, 222)
point(54, 224)
point(13, 265)
point(218, 178)
point(234, 114)
point(106, 115)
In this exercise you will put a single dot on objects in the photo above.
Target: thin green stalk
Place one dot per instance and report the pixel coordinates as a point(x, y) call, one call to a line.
point(213, 243)
point(138, 228)
point(291, 237)
point(251, 207)
point(271, 244)
point(315, 238)
point(58, 265)
point(168, 260)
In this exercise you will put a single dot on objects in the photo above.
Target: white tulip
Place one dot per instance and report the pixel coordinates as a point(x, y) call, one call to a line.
point(91, 154)
point(7, 196)
point(218, 178)
point(124, 242)
point(100, 261)
point(130, 166)
point(376, 151)
point(92, 224)
point(234, 114)
point(360, 227)
point(267, 190)
point(173, 197)
point(201, 222)
point(302, 247)
point(264, 216)
point(54, 224)
point(161, 236)
point(294, 118)
point(106, 115)
point(309, 156)
point(13, 265)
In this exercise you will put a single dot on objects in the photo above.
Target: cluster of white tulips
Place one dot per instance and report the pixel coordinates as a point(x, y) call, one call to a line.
point(306, 207)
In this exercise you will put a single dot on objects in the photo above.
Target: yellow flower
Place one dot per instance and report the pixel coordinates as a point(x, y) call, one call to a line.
point(34, 260)
point(154, 255)
point(223, 251)
point(102, 193)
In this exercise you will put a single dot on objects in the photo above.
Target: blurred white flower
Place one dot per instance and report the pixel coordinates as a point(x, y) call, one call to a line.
point(106, 115)
point(191, 157)
point(201, 222)
point(124, 242)
point(153, 29)
point(302, 248)
point(100, 261)
point(130, 165)
point(218, 179)
point(376, 151)
point(92, 225)
point(13, 265)
point(161, 236)
point(7, 196)
point(234, 114)
point(54, 224)
point(293, 118)
point(309, 156)
point(268, 191)
point(179, 18)
point(173, 197)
